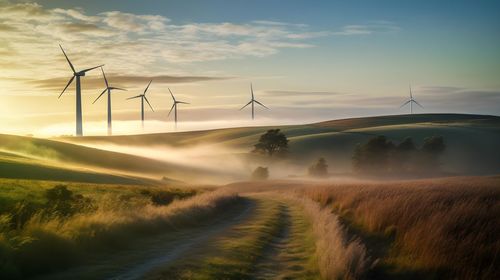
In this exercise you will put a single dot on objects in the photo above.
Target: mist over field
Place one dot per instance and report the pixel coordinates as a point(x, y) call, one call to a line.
point(249, 140)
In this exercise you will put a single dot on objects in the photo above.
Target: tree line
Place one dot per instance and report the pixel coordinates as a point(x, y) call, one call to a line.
point(378, 155)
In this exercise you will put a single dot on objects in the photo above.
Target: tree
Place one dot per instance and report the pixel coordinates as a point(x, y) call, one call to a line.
point(273, 142)
point(373, 156)
point(431, 149)
point(434, 145)
point(403, 156)
point(260, 173)
point(319, 169)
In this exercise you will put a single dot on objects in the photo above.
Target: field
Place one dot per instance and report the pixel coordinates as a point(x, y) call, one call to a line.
point(181, 205)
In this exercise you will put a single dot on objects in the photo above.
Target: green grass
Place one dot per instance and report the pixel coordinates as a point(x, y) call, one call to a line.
point(122, 214)
point(471, 139)
point(247, 248)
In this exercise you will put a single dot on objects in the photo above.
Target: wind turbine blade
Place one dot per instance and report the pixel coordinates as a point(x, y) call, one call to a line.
point(70, 80)
point(246, 105)
point(86, 70)
point(147, 87)
point(251, 89)
point(405, 104)
point(105, 80)
point(100, 95)
point(117, 88)
point(70, 64)
point(418, 104)
point(171, 110)
point(134, 97)
point(149, 104)
point(411, 96)
point(182, 102)
point(261, 104)
point(172, 94)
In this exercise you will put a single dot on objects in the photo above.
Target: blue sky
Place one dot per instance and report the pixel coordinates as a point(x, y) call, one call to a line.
point(308, 60)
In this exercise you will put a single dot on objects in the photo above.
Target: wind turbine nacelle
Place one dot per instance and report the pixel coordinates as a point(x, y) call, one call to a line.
point(80, 74)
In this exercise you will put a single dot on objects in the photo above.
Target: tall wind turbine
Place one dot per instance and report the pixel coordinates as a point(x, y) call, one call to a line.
point(108, 89)
point(143, 97)
point(411, 101)
point(79, 130)
point(253, 101)
point(174, 106)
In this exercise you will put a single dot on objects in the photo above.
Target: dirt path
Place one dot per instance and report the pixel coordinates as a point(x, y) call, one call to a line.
point(156, 251)
point(265, 236)
point(288, 255)
point(275, 242)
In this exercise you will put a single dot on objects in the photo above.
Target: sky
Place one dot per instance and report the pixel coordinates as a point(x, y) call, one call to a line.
point(308, 61)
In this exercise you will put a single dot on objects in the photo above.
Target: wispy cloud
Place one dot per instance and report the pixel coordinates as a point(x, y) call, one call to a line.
point(294, 93)
point(96, 82)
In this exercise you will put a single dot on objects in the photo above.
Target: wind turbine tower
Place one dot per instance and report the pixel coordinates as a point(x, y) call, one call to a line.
point(143, 97)
point(174, 107)
point(108, 89)
point(252, 102)
point(411, 101)
point(79, 129)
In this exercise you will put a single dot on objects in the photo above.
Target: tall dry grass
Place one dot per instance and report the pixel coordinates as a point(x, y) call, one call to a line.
point(48, 244)
point(449, 227)
point(338, 256)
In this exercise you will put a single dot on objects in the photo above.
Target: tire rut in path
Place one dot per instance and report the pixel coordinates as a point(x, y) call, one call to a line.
point(287, 256)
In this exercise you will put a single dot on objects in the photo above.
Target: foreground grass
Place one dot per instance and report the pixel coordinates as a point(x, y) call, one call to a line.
point(245, 251)
point(444, 228)
point(48, 243)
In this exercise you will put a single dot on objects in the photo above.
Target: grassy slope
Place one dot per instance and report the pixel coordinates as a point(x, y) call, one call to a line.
point(471, 139)
point(472, 147)
point(34, 158)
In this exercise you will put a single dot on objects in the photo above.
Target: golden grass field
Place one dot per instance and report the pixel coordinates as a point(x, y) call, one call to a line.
point(181, 206)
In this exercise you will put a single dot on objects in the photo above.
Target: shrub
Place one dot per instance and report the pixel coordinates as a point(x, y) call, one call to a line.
point(319, 169)
point(62, 202)
point(260, 173)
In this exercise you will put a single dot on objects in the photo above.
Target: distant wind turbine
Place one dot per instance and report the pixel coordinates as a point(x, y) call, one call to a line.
point(411, 101)
point(253, 101)
point(174, 107)
point(143, 97)
point(79, 130)
point(108, 89)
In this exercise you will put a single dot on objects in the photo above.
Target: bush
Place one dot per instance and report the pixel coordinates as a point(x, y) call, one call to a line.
point(319, 169)
point(62, 202)
point(260, 173)
point(162, 198)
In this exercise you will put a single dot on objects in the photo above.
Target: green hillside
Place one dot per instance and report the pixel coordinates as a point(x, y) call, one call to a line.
point(472, 140)
point(472, 148)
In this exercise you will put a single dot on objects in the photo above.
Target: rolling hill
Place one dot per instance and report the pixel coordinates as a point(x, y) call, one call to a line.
point(472, 148)
point(472, 140)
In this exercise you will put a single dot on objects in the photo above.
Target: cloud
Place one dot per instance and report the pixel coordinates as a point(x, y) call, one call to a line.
point(7, 28)
point(365, 29)
point(134, 23)
point(97, 82)
point(300, 93)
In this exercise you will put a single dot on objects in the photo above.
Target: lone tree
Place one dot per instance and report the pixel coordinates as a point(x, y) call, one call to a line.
point(273, 142)
point(319, 169)
point(260, 173)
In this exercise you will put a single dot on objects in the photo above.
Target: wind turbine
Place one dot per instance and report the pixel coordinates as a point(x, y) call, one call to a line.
point(108, 89)
point(411, 101)
point(143, 97)
point(174, 106)
point(253, 101)
point(79, 130)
